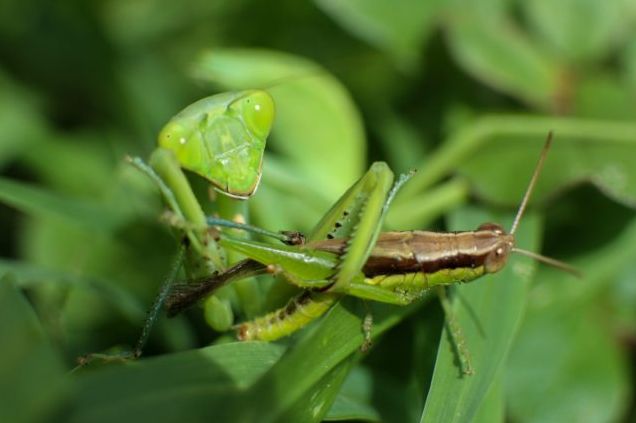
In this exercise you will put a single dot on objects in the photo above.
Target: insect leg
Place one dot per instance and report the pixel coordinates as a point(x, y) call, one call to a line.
point(376, 293)
point(185, 295)
point(356, 215)
point(367, 327)
point(157, 306)
point(369, 195)
point(177, 193)
point(458, 340)
point(151, 318)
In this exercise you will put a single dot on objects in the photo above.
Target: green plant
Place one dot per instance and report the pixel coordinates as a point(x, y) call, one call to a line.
point(462, 93)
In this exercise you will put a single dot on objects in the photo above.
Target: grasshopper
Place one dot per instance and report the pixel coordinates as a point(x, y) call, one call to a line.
point(347, 254)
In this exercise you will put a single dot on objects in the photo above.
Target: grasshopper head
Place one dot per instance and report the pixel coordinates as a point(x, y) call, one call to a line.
point(500, 248)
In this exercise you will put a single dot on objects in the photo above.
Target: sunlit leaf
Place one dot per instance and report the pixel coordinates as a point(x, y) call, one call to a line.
point(497, 52)
point(498, 154)
point(579, 30)
point(399, 27)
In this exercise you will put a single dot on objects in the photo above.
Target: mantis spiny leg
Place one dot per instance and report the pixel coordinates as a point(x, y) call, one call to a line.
point(356, 215)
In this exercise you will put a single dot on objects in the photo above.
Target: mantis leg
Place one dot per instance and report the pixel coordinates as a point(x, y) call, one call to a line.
point(369, 199)
point(151, 318)
point(156, 308)
point(357, 215)
point(175, 189)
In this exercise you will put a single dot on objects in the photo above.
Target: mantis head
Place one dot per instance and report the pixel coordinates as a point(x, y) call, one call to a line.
point(222, 138)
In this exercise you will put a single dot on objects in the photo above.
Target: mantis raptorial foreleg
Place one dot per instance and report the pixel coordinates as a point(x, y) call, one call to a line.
point(356, 216)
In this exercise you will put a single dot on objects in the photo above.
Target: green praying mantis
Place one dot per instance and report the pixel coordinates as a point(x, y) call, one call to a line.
point(347, 254)
point(222, 139)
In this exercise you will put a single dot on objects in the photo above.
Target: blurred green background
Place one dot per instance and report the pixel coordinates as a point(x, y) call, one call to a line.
point(464, 92)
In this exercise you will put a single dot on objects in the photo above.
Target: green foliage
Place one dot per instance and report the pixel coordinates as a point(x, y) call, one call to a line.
point(465, 92)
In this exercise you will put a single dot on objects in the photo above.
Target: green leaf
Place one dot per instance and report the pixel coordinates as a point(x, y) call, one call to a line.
point(353, 400)
point(565, 367)
point(32, 384)
point(579, 30)
point(40, 202)
point(29, 275)
point(21, 123)
point(320, 349)
point(603, 96)
point(494, 50)
point(623, 298)
point(178, 387)
point(398, 27)
point(498, 154)
point(599, 267)
point(315, 115)
point(218, 381)
point(489, 314)
point(492, 408)
point(317, 401)
point(629, 63)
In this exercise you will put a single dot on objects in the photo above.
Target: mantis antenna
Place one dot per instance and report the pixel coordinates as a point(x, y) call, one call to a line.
point(522, 208)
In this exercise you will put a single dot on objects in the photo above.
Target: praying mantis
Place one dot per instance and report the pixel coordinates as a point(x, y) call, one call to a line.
point(222, 139)
point(347, 254)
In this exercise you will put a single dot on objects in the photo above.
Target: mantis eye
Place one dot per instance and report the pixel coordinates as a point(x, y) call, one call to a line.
point(257, 110)
point(173, 135)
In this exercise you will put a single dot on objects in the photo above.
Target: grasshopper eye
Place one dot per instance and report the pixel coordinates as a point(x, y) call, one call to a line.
point(257, 110)
point(496, 259)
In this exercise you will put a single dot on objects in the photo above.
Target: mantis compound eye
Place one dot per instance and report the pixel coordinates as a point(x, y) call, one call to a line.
point(257, 109)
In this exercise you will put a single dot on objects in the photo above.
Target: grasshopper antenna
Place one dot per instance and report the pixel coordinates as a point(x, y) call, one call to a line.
point(522, 208)
point(549, 261)
point(533, 182)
